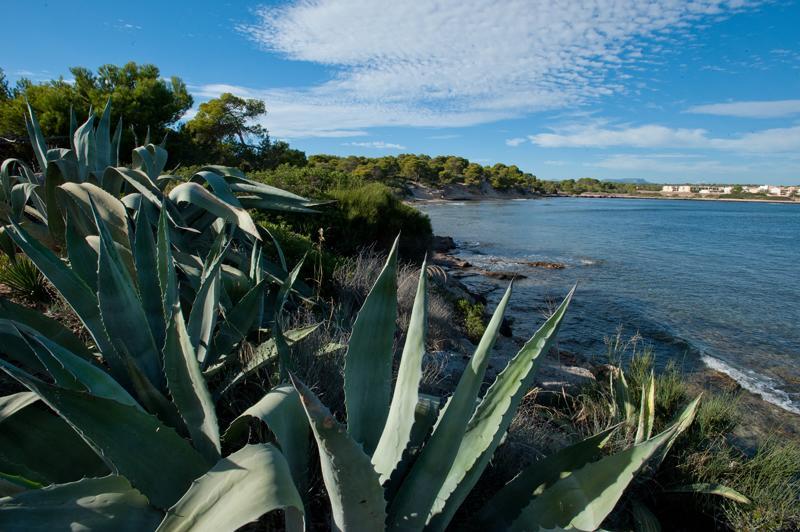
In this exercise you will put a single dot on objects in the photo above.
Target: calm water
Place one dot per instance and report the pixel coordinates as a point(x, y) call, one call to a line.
point(706, 282)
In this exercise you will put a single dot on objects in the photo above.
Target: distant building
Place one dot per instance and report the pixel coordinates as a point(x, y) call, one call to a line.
point(716, 190)
point(677, 189)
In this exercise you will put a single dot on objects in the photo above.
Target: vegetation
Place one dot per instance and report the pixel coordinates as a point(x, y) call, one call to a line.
point(181, 394)
point(220, 133)
point(473, 318)
point(23, 278)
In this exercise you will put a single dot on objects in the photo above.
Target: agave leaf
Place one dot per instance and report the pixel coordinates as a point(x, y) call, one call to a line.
point(710, 488)
point(37, 138)
point(397, 431)
point(145, 255)
point(85, 147)
point(167, 279)
point(238, 322)
point(270, 204)
point(492, 418)
point(135, 444)
point(115, 143)
point(238, 490)
point(647, 410)
point(107, 503)
point(504, 507)
point(188, 387)
point(102, 137)
point(73, 125)
point(48, 327)
point(417, 494)
point(151, 159)
point(353, 486)
point(91, 378)
point(368, 361)
point(584, 498)
point(20, 194)
point(203, 316)
point(27, 435)
point(284, 353)
point(54, 177)
point(11, 404)
point(643, 518)
point(197, 195)
point(622, 395)
point(82, 256)
point(218, 185)
point(77, 294)
point(109, 209)
point(280, 410)
point(265, 353)
point(120, 307)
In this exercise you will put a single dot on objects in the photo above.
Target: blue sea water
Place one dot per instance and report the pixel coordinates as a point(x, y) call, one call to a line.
point(706, 282)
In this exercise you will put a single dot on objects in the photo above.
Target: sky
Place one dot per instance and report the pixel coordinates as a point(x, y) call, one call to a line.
point(667, 91)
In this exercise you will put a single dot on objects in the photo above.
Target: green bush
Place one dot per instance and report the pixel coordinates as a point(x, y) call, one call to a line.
point(473, 319)
point(372, 213)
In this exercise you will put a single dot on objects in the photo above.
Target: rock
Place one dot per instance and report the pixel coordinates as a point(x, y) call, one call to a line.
point(542, 264)
point(443, 244)
point(553, 376)
point(449, 261)
point(505, 327)
point(503, 276)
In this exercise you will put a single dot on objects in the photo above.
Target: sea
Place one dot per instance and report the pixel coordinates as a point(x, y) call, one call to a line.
point(701, 283)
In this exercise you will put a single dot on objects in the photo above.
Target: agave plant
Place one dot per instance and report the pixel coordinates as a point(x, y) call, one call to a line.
point(38, 201)
point(134, 409)
point(388, 468)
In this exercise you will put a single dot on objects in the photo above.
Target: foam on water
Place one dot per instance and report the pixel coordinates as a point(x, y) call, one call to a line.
point(754, 382)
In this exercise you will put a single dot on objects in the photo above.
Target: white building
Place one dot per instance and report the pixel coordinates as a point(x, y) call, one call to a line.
point(716, 190)
point(677, 189)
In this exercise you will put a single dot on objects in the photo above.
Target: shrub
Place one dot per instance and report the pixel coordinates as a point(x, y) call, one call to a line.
point(23, 278)
point(472, 314)
point(372, 213)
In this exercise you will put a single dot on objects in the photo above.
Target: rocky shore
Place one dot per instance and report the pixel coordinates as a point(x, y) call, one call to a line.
point(559, 373)
point(563, 373)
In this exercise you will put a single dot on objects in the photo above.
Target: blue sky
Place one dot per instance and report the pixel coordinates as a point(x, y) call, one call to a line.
point(669, 91)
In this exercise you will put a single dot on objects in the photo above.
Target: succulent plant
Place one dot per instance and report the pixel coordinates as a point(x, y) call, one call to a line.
point(388, 468)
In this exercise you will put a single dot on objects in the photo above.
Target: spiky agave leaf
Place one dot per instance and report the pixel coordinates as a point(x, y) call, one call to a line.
point(368, 361)
point(492, 418)
point(239, 489)
point(353, 487)
point(417, 494)
point(396, 433)
point(107, 503)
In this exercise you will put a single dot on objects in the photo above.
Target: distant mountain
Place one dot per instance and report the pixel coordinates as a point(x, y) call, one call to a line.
point(631, 180)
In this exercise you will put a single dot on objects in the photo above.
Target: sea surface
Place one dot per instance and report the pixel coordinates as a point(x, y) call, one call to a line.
point(702, 282)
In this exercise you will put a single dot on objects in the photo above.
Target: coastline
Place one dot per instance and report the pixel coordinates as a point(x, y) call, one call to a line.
point(422, 194)
point(760, 418)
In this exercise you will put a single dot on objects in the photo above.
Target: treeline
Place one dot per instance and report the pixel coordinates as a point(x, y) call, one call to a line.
point(449, 169)
point(225, 131)
point(221, 132)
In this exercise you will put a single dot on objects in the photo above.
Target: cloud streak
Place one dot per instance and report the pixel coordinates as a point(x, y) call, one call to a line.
point(776, 140)
point(750, 109)
point(378, 144)
point(455, 63)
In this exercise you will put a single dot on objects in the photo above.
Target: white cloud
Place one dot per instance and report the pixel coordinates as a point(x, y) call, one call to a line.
point(516, 141)
point(378, 144)
point(444, 137)
point(751, 109)
point(777, 140)
point(457, 63)
point(593, 136)
point(781, 170)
